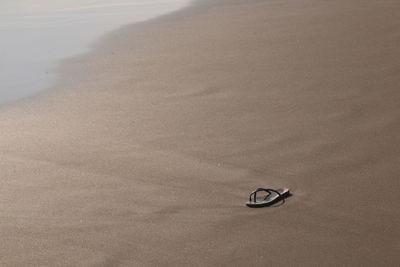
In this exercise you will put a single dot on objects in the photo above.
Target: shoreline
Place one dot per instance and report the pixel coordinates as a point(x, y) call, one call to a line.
point(147, 149)
point(34, 44)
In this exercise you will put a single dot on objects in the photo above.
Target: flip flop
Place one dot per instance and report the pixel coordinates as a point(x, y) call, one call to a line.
point(273, 196)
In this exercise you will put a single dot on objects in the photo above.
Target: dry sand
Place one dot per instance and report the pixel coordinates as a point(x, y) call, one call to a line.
point(146, 151)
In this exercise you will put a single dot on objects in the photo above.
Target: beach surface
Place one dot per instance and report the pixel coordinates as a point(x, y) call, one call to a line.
point(145, 151)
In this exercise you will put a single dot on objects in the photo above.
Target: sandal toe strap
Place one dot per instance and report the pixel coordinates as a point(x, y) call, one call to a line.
point(268, 190)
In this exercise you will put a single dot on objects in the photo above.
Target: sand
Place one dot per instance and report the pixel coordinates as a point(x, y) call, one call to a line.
point(145, 151)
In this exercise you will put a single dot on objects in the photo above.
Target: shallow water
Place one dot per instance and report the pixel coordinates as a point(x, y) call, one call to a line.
point(35, 34)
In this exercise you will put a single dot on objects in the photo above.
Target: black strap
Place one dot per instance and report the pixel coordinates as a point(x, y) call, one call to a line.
point(268, 190)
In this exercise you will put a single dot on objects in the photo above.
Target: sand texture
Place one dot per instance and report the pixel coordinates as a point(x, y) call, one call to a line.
point(146, 149)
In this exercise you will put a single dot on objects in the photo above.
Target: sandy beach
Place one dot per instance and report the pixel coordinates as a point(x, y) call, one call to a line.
point(145, 151)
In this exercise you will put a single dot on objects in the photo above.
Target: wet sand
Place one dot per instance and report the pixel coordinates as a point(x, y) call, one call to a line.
point(146, 151)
